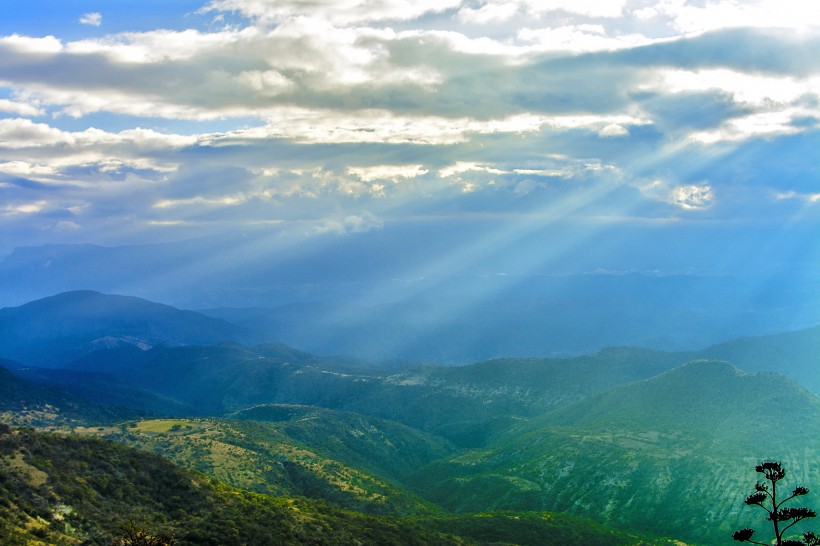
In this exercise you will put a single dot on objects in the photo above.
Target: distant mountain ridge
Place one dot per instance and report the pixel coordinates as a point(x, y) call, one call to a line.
point(355, 297)
point(188, 374)
point(54, 331)
point(795, 354)
point(466, 404)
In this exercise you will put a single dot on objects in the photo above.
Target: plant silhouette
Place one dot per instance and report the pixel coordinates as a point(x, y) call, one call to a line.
point(782, 518)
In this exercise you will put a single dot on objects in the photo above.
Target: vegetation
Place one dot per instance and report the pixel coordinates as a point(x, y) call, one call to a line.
point(132, 535)
point(626, 457)
point(350, 460)
point(282, 447)
point(65, 490)
point(781, 518)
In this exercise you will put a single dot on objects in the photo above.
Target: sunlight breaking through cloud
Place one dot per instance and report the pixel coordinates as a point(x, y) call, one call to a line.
point(302, 116)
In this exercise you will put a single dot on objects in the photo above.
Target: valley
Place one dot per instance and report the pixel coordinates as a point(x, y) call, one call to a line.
point(629, 444)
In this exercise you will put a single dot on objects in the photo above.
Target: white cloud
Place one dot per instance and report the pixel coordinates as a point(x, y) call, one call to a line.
point(393, 173)
point(24, 208)
point(341, 12)
point(402, 98)
point(495, 11)
point(268, 82)
point(745, 88)
point(763, 124)
point(692, 196)
point(18, 133)
point(807, 197)
point(593, 122)
point(29, 45)
point(591, 8)
point(67, 225)
point(317, 126)
point(557, 173)
point(613, 130)
point(685, 196)
point(462, 167)
point(160, 46)
point(489, 12)
point(23, 168)
point(770, 104)
point(580, 38)
point(52, 156)
point(380, 126)
point(23, 133)
point(20, 108)
point(93, 19)
point(223, 201)
point(359, 223)
point(692, 17)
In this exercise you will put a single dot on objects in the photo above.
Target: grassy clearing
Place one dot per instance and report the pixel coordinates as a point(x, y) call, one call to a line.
point(163, 426)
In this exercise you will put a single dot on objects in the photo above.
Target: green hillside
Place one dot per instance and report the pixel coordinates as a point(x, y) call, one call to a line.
point(66, 490)
point(25, 403)
point(670, 455)
point(269, 458)
point(640, 440)
point(468, 405)
point(386, 448)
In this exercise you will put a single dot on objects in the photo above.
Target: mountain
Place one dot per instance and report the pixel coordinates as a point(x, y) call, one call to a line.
point(481, 317)
point(386, 448)
point(795, 354)
point(105, 389)
point(468, 405)
point(351, 460)
point(26, 403)
point(386, 294)
point(54, 331)
point(65, 490)
point(670, 455)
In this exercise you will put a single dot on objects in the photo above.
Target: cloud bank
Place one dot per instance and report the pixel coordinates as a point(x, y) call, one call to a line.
point(339, 117)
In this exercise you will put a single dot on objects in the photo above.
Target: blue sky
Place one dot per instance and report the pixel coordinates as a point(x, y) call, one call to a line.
point(690, 126)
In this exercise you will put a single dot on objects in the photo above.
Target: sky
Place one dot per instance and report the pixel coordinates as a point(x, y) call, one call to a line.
point(682, 133)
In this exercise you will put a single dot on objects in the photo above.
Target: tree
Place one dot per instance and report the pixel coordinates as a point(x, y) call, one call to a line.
point(782, 518)
point(131, 535)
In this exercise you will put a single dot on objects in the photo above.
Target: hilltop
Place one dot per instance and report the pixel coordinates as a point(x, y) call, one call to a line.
point(670, 453)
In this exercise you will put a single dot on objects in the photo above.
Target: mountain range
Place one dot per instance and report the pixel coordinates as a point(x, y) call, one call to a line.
point(652, 443)
point(367, 295)
point(54, 331)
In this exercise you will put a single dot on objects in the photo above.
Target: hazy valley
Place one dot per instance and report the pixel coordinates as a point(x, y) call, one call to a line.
point(621, 446)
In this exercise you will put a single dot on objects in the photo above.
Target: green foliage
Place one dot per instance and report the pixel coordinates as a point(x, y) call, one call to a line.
point(523, 435)
point(27, 404)
point(84, 489)
point(468, 405)
point(99, 493)
point(537, 529)
point(347, 459)
point(626, 457)
point(132, 535)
